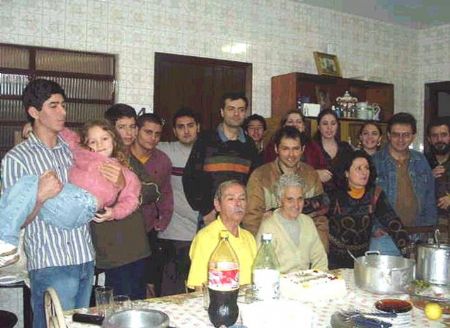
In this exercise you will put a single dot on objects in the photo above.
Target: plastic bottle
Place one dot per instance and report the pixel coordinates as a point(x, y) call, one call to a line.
point(223, 283)
point(266, 271)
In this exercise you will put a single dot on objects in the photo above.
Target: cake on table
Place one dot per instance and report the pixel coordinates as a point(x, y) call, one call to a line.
point(311, 285)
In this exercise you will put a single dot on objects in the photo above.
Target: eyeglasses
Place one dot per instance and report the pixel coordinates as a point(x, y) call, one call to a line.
point(400, 135)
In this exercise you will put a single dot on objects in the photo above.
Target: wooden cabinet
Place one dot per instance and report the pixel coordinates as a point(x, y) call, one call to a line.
point(287, 89)
point(87, 78)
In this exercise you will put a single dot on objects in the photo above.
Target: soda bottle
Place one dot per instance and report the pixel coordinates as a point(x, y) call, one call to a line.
point(223, 283)
point(266, 271)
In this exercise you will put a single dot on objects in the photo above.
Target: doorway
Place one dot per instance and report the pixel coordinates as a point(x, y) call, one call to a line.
point(198, 83)
point(437, 103)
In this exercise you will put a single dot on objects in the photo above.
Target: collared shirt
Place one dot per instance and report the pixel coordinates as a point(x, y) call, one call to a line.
point(224, 138)
point(46, 245)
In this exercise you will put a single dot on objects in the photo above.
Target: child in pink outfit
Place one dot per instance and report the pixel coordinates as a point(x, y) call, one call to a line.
point(85, 174)
point(80, 200)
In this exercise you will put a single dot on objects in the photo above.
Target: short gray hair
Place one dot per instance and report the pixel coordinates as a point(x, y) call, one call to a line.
point(288, 180)
point(224, 185)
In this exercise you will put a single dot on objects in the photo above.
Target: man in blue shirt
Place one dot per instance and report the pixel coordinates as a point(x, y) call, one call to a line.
point(406, 178)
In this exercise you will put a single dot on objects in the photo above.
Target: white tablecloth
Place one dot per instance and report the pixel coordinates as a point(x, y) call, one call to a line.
point(187, 310)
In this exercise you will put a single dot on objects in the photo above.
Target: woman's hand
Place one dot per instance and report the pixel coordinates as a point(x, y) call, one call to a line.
point(444, 202)
point(324, 175)
point(113, 173)
point(105, 216)
point(379, 233)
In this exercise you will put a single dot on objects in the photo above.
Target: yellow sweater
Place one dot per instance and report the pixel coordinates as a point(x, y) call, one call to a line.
point(204, 244)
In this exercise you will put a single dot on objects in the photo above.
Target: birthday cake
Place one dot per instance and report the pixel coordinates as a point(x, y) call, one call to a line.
point(311, 285)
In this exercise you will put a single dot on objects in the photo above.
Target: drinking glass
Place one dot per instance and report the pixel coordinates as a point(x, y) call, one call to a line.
point(104, 300)
point(122, 302)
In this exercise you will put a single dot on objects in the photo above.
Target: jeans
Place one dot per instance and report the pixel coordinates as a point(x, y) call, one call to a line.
point(128, 279)
point(385, 245)
point(73, 284)
point(71, 208)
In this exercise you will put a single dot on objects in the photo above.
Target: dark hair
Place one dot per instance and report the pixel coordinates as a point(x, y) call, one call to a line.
point(234, 96)
point(291, 133)
point(149, 117)
point(118, 147)
point(443, 120)
point(285, 117)
point(184, 111)
point(342, 180)
point(324, 112)
point(37, 92)
point(254, 117)
point(403, 118)
point(370, 123)
point(118, 111)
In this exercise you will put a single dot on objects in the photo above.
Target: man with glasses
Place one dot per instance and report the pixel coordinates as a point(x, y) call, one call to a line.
point(406, 178)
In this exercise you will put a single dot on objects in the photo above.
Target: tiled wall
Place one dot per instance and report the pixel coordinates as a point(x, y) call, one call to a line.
point(279, 37)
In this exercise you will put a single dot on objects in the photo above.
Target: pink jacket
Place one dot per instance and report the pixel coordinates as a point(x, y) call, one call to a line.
point(85, 174)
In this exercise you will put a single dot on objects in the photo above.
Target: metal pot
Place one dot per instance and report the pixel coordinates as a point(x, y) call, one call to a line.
point(137, 319)
point(433, 263)
point(383, 274)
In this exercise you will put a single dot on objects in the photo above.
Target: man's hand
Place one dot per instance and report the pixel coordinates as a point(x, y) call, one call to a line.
point(105, 216)
point(324, 175)
point(49, 186)
point(438, 171)
point(444, 202)
point(113, 173)
point(210, 217)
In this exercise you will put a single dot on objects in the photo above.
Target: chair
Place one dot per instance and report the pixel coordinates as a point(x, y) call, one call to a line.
point(53, 311)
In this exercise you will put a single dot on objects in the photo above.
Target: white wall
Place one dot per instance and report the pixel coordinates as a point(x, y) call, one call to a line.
point(280, 37)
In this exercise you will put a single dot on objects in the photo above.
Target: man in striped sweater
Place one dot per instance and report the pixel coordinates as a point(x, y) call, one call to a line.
point(219, 155)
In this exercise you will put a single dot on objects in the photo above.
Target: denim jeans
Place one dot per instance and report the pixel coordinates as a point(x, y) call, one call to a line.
point(384, 244)
point(73, 284)
point(71, 208)
point(128, 279)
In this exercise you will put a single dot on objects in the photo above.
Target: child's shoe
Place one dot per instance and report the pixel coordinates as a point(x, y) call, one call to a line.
point(7, 248)
point(9, 259)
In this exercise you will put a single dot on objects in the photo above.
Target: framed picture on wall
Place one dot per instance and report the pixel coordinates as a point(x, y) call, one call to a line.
point(327, 64)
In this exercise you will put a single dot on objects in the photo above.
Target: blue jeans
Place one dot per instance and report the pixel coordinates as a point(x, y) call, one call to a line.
point(384, 244)
point(73, 284)
point(128, 279)
point(71, 208)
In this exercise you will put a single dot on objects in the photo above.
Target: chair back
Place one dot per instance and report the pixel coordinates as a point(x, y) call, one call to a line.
point(53, 310)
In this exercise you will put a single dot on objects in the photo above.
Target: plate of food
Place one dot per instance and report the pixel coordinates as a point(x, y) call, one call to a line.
point(422, 292)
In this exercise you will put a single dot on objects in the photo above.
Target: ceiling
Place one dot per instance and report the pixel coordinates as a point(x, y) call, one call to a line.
point(411, 13)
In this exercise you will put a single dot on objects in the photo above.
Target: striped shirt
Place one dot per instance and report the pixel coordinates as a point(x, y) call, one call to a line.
point(46, 245)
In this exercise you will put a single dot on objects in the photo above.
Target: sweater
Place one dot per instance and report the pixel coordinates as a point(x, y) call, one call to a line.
point(85, 174)
point(158, 214)
point(351, 222)
point(213, 160)
point(183, 224)
point(309, 254)
point(261, 196)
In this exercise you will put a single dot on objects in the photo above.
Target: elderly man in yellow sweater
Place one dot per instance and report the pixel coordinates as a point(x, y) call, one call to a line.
point(294, 235)
point(230, 201)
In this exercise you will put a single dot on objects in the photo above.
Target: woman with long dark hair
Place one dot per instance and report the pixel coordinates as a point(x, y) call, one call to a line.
point(353, 208)
point(332, 150)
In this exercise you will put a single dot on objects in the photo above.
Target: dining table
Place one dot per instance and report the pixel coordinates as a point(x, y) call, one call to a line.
point(187, 310)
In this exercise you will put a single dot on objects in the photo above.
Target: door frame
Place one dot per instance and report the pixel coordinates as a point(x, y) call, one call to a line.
point(430, 104)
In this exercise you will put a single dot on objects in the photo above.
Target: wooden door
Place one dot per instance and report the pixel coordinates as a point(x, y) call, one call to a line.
point(437, 103)
point(197, 83)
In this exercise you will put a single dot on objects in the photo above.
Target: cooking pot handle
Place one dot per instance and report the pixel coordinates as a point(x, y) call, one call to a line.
point(372, 253)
